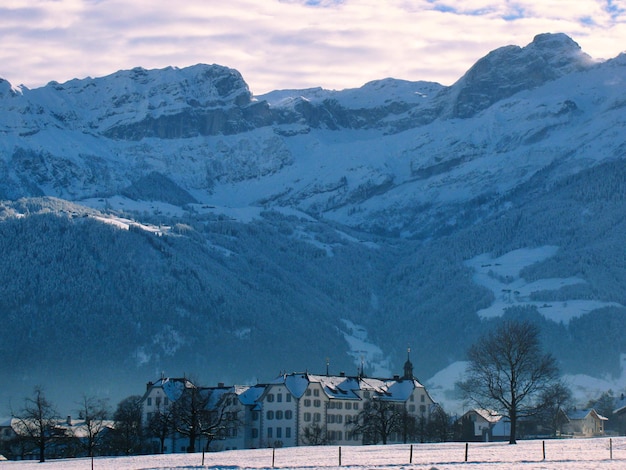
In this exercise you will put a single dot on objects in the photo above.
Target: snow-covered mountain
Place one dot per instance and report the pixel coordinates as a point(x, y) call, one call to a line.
point(240, 206)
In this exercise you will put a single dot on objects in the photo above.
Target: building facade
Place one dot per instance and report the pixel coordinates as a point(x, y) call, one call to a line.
point(300, 409)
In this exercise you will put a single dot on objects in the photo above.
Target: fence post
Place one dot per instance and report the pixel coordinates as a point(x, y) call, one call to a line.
point(466, 449)
point(340, 456)
point(273, 456)
point(411, 455)
point(544, 449)
point(611, 448)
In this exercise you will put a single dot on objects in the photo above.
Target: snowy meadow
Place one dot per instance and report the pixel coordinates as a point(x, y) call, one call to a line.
point(571, 454)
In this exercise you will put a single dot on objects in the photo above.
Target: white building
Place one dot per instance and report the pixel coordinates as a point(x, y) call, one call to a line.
point(300, 408)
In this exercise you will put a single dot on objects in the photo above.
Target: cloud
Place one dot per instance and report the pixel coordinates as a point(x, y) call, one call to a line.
point(289, 43)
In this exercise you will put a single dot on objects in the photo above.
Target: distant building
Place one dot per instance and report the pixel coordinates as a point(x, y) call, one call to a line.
point(484, 425)
point(68, 437)
point(585, 423)
point(295, 408)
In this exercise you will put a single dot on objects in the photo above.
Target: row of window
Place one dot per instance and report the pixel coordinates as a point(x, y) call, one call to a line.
point(270, 433)
point(157, 401)
point(279, 397)
point(288, 414)
point(316, 403)
point(317, 417)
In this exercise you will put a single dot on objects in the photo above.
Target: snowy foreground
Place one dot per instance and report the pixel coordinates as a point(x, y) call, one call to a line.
point(568, 454)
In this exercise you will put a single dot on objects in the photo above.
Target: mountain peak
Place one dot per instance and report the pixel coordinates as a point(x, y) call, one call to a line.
point(510, 69)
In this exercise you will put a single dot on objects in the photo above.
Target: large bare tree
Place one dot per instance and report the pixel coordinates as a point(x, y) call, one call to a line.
point(378, 420)
point(95, 413)
point(202, 412)
point(37, 421)
point(508, 371)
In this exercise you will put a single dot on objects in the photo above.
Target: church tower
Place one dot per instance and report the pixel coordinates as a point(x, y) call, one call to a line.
point(408, 366)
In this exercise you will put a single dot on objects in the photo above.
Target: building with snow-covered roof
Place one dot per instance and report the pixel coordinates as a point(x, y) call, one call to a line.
point(479, 424)
point(301, 408)
point(326, 408)
point(587, 423)
point(230, 405)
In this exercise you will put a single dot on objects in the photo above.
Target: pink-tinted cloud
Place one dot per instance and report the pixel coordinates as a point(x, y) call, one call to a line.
point(289, 43)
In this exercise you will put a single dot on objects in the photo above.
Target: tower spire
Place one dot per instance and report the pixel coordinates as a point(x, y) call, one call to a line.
point(408, 365)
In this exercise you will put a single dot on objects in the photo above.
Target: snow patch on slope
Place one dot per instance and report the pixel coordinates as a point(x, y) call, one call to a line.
point(501, 275)
point(365, 353)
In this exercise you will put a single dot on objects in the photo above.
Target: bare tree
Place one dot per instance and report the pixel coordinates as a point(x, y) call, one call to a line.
point(378, 420)
point(200, 413)
point(37, 421)
point(508, 371)
point(553, 402)
point(314, 435)
point(161, 425)
point(127, 435)
point(439, 427)
point(94, 412)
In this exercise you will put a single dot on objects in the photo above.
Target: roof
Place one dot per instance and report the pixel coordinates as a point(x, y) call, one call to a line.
point(172, 387)
point(582, 414)
point(349, 387)
point(490, 416)
point(77, 428)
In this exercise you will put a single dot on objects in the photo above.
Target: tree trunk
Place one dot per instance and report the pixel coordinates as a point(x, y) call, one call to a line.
point(42, 451)
point(513, 417)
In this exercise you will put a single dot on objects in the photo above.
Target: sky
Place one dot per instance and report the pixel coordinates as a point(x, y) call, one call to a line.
point(283, 44)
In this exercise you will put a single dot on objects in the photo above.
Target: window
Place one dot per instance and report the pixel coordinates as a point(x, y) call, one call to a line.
point(279, 433)
point(166, 401)
point(307, 417)
point(366, 394)
point(270, 414)
point(422, 398)
point(288, 414)
point(270, 432)
point(348, 406)
point(411, 398)
point(316, 393)
point(317, 417)
point(339, 405)
point(287, 431)
point(279, 397)
point(411, 408)
point(279, 414)
point(331, 418)
point(149, 416)
point(339, 419)
point(308, 392)
point(149, 401)
point(270, 397)
point(339, 435)
point(255, 416)
point(317, 403)
point(288, 398)
point(348, 420)
point(348, 435)
point(307, 402)
point(158, 401)
point(422, 409)
point(255, 433)
point(356, 406)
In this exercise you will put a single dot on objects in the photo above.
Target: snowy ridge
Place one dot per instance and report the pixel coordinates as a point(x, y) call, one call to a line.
point(381, 205)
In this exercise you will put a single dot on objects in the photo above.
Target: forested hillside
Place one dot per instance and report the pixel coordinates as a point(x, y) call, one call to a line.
point(168, 221)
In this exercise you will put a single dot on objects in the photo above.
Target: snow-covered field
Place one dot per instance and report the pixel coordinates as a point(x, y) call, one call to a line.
point(570, 454)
